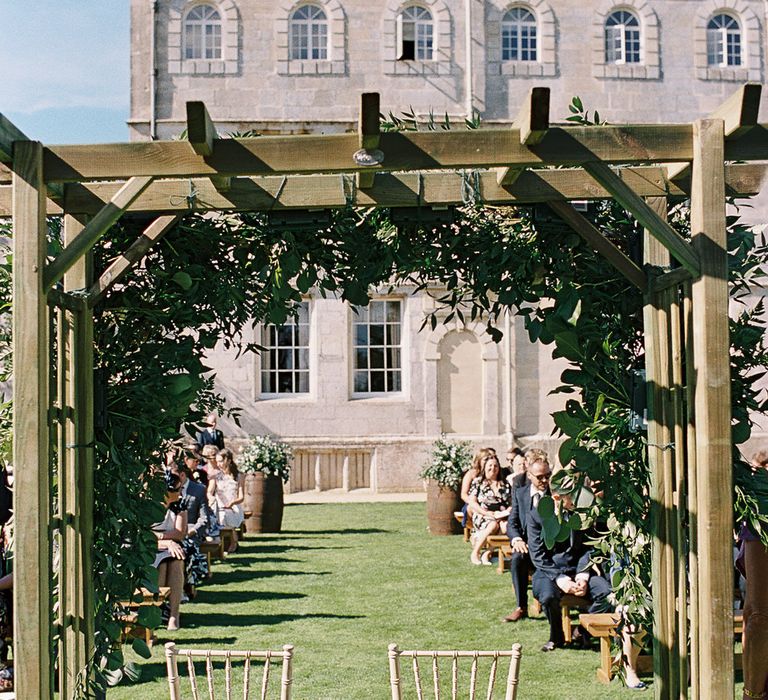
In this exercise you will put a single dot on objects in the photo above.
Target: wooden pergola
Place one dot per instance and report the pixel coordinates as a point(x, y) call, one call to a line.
point(640, 166)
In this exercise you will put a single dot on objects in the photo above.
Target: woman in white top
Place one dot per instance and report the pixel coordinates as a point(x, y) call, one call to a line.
point(169, 559)
point(227, 489)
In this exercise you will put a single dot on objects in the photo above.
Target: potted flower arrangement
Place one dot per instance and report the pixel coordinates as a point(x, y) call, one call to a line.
point(266, 464)
point(447, 463)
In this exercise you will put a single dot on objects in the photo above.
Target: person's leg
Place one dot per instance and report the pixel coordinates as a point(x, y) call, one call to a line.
point(599, 592)
point(756, 620)
point(519, 566)
point(174, 579)
point(490, 529)
point(548, 594)
point(631, 644)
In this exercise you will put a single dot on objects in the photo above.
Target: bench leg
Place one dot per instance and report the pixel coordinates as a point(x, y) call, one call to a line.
point(566, 616)
point(605, 671)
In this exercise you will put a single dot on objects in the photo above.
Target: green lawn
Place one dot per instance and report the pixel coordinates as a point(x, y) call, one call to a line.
point(342, 582)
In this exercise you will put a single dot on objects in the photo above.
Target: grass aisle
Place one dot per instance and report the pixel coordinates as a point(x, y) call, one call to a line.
point(340, 583)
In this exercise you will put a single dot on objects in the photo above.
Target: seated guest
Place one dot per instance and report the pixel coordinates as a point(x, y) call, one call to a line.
point(469, 476)
point(516, 466)
point(523, 500)
point(227, 488)
point(170, 556)
point(210, 467)
point(210, 435)
point(489, 499)
point(563, 569)
point(193, 497)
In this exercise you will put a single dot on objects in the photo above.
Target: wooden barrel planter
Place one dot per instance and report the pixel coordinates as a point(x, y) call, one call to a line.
point(264, 501)
point(441, 504)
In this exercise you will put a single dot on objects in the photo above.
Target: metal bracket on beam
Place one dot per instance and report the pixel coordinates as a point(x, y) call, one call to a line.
point(369, 135)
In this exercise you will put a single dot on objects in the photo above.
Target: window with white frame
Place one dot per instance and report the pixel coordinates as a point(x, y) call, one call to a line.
point(518, 35)
point(308, 34)
point(415, 32)
point(377, 345)
point(622, 38)
point(723, 41)
point(202, 33)
point(285, 357)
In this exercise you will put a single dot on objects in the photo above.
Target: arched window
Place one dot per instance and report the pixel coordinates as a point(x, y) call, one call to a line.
point(622, 38)
point(308, 34)
point(518, 35)
point(415, 34)
point(202, 33)
point(723, 41)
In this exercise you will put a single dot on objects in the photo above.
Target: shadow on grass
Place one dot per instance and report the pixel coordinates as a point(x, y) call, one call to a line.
point(193, 620)
point(238, 576)
point(256, 548)
point(224, 597)
point(350, 531)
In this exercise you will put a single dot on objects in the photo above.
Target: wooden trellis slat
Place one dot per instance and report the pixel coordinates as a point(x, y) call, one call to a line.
point(368, 134)
point(201, 134)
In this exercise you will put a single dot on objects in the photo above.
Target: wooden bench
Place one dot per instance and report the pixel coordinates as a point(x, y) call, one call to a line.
point(499, 545)
point(603, 626)
point(467, 528)
point(130, 619)
point(570, 602)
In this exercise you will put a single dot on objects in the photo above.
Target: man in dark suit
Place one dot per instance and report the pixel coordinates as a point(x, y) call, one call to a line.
point(563, 569)
point(525, 494)
point(211, 435)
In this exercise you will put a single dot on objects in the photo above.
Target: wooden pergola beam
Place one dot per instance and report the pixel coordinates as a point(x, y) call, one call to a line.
point(122, 265)
point(439, 189)
point(405, 151)
point(532, 122)
point(9, 133)
point(368, 134)
point(95, 229)
point(646, 216)
point(201, 134)
point(592, 235)
point(673, 278)
point(739, 114)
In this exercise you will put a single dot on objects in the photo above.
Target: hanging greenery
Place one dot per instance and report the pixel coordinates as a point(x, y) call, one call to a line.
point(212, 276)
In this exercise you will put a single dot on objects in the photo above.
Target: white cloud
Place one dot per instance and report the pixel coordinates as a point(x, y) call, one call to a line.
point(64, 53)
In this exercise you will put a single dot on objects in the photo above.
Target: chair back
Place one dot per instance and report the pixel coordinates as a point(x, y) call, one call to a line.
point(212, 680)
point(473, 657)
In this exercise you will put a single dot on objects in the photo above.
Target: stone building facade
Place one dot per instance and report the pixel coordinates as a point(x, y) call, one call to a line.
point(362, 396)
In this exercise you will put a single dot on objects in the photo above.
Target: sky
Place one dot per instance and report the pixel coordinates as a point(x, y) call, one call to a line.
point(65, 69)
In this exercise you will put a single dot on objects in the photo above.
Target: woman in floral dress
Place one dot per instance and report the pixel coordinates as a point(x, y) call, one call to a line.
point(490, 498)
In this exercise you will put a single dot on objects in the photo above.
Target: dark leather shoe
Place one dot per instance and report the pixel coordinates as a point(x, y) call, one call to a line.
point(549, 646)
point(517, 614)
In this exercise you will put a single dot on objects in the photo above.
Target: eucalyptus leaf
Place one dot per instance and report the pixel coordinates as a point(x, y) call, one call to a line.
point(141, 648)
point(183, 280)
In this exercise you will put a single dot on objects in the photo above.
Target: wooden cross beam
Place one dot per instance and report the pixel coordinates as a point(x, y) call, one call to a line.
point(405, 151)
point(95, 229)
point(739, 114)
point(532, 121)
point(592, 235)
point(646, 216)
point(368, 134)
point(392, 190)
point(122, 266)
point(202, 136)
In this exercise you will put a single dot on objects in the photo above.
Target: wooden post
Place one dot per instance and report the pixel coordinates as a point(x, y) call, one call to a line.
point(31, 493)
point(690, 440)
point(656, 316)
point(712, 405)
point(287, 678)
point(394, 671)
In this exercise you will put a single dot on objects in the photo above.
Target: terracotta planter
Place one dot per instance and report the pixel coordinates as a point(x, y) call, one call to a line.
point(441, 504)
point(264, 501)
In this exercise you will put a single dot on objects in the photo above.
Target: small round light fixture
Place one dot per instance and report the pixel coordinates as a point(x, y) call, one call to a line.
point(367, 158)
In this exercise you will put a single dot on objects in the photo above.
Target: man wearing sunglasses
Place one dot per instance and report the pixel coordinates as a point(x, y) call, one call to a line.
point(525, 498)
